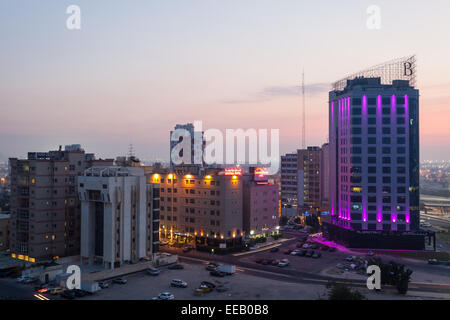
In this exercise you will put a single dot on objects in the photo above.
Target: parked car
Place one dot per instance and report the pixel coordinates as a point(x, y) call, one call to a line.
point(176, 267)
point(350, 258)
point(80, 293)
point(56, 291)
point(104, 284)
point(178, 283)
point(324, 248)
point(216, 273)
point(295, 252)
point(300, 245)
point(120, 280)
point(222, 288)
point(165, 296)
point(309, 254)
point(284, 263)
point(211, 267)
point(68, 294)
point(153, 271)
point(288, 251)
point(209, 284)
point(21, 279)
point(265, 262)
point(301, 253)
point(370, 253)
point(259, 260)
point(30, 280)
point(276, 262)
point(274, 249)
point(316, 255)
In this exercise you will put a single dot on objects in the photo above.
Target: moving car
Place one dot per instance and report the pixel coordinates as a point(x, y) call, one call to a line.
point(176, 267)
point(120, 280)
point(276, 249)
point(178, 283)
point(316, 255)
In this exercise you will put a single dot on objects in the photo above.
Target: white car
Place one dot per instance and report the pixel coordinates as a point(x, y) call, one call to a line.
point(283, 263)
point(165, 296)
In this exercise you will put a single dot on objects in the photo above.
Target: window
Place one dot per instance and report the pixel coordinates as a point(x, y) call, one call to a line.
point(386, 121)
point(401, 150)
point(356, 111)
point(372, 179)
point(401, 140)
point(372, 111)
point(386, 170)
point(372, 160)
point(372, 169)
point(372, 121)
point(372, 130)
point(386, 100)
point(386, 140)
point(372, 150)
point(386, 111)
point(386, 160)
point(356, 130)
point(401, 120)
point(372, 140)
point(356, 121)
point(372, 101)
point(401, 130)
point(356, 101)
point(372, 189)
point(386, 130)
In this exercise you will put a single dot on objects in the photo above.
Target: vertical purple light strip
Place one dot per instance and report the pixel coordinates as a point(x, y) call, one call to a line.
point(348, 152)
point(407, 213)
point(379, 208)
point(333, 132)
point(339, 156)
point(364, 128)
point(393, 118)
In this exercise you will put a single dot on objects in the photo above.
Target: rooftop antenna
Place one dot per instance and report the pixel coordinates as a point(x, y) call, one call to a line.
point(303, 112)
point(130, 150)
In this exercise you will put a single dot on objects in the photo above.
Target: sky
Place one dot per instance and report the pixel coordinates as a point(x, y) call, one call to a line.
point(137, 68)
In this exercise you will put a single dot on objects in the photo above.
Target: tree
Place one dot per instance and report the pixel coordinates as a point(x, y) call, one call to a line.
point(339, 291)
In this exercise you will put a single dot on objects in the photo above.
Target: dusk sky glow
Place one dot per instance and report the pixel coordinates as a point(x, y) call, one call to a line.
point(137, 68)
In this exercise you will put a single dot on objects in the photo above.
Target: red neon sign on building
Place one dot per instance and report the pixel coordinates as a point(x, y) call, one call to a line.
point(233, 171)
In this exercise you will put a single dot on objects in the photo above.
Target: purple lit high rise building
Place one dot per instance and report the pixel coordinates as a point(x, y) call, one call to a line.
point(374, 165)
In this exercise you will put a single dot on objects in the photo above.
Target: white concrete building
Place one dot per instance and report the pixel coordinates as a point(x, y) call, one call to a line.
point(119, 216)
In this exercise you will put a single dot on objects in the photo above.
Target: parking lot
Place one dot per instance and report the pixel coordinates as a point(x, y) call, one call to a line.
point(142, 286)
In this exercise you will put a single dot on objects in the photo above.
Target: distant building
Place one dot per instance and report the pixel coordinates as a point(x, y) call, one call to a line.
point(45, 210)
point(119, 216)
point(195, 149)
point(300, 181)
point(4, 231)
point(289, 184)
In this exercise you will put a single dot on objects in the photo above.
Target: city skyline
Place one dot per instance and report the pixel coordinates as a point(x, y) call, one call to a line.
point(128, 76)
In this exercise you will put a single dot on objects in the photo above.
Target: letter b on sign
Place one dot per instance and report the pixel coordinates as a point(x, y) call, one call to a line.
point(74, 280)
point(374, 280)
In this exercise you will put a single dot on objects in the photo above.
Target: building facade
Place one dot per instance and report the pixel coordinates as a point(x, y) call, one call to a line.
point(261, 205)
point(301, 181)
point(204, 206)
point(4, 231)
point(119, 216)
point(289, 184)
point(374, 164)
point(325, 177)
point(45, 211)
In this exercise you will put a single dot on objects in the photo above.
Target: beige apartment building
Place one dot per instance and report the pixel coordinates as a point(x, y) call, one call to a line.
point(202, 205)
point(45, 210)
